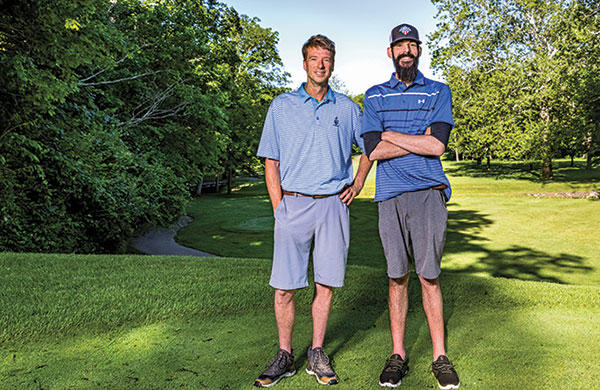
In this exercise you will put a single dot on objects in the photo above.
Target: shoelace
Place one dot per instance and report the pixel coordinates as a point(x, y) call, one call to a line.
point(278, 362)
point(394, 365)
point(444, 367)
point(321, 360)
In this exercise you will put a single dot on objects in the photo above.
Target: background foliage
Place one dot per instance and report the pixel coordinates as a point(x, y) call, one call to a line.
point(111, 112)
point(524, 76)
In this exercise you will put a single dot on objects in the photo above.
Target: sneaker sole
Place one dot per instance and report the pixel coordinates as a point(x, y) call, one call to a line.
point(333, 381)
point(448, 387)
point(286, 375)
point(387, 384)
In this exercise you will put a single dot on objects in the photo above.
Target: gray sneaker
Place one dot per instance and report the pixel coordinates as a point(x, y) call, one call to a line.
point(318, 365)
point(281, 366)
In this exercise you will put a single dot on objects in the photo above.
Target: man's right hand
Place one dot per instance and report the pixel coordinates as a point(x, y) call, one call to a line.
point(273, 179)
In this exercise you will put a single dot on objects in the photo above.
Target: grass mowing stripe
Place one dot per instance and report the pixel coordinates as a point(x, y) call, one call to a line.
point(66, 294)
point(494, 229)
point(509, 348)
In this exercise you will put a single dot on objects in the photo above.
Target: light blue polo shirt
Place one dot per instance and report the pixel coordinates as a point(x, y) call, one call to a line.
point(409, 110)
point(312, 140)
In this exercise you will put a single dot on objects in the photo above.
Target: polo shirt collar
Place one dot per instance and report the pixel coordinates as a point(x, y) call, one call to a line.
point(420, 79)
point(305, 96)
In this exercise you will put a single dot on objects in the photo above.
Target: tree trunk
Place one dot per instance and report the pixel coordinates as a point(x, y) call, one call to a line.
point(229, 180)
point(199, 186)
point(217, 182)
point(456, 148)
point(588, 152)
point(547, 167)
point(489, 162)
point(572, 161)
point(547, 145)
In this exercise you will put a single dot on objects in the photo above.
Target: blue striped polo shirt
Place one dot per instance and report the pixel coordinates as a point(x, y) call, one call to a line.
point(410, 110)
point(312, 140)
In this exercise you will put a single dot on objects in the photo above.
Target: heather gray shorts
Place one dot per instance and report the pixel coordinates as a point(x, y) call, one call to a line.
point(412, 225)
point(299, 220)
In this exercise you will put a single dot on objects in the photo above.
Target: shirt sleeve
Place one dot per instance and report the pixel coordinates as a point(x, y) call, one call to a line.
point(371, 119)
point(443, 107)
point(269, 141)
point(357, 122)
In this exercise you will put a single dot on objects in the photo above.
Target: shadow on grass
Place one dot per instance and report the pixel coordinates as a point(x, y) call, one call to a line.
point(516, 262)
point(523, 263)
point(240, 225)
point(563, 172)
point(505, 325)
point(361, 303)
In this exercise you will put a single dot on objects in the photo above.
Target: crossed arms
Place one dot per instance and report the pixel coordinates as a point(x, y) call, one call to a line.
point(393, 144)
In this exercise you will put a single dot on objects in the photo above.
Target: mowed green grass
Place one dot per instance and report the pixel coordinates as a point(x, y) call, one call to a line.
point(159, 322)
point(519, 278)
point(496, 228)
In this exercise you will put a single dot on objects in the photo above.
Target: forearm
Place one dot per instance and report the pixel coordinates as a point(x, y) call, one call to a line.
point(352, 191)
point(386, 150)
point(425, 144)
point(273, 179)
point(364, 166)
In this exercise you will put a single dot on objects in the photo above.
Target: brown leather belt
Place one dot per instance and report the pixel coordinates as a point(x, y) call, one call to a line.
point(308, 196)
point(440, 187)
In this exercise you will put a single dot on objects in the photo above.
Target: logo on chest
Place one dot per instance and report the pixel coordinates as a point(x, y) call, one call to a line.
point(336, 122)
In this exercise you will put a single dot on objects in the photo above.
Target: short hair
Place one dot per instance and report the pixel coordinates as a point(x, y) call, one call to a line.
point(319, 41)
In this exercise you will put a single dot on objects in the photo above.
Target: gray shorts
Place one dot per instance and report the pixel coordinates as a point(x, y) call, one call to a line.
point(298, 220)
point(413, 225)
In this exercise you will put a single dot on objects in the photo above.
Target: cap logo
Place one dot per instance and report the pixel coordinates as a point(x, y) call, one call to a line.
point(405, 30)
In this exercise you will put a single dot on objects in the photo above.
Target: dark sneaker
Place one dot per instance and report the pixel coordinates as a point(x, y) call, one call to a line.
point(444, 372)
point(395, 369)
point(318, 365)
point(281, 366)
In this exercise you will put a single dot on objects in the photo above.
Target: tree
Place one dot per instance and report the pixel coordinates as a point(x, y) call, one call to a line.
point(254, 77)
point(111, 110)
point(518, 54)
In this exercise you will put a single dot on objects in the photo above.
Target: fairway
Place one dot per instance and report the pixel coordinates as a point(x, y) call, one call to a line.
point(157, 322)
point(520, 281)
point(496, 226)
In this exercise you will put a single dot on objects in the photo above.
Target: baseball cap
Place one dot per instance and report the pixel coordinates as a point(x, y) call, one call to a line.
point(404, 31)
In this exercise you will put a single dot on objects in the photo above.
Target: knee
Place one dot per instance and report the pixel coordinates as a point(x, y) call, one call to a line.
point(429, 284)
point(283, 297)
point(323, 291)
point(399, 282)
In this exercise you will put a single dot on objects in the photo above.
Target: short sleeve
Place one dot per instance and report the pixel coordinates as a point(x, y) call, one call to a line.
point(371, 120)
point(269, 141)
point(443, 108)
point(357, 122)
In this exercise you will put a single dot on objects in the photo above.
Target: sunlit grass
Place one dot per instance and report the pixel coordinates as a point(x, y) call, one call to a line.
point(494, 228)
point(202, 317)
point(159, 322)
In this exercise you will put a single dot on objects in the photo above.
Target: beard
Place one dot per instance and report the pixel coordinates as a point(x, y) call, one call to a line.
point(406, 74)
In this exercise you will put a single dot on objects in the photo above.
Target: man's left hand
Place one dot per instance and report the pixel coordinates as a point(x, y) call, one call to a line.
point(349, 193)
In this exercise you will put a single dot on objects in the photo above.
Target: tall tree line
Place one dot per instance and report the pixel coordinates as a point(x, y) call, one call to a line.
point(525, 76)
point(111, 112)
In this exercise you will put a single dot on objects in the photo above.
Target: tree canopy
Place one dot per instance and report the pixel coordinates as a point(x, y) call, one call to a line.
point(522, 73)
point(111, 111)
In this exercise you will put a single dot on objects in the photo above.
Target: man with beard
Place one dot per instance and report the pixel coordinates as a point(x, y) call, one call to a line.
point(407, 122)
